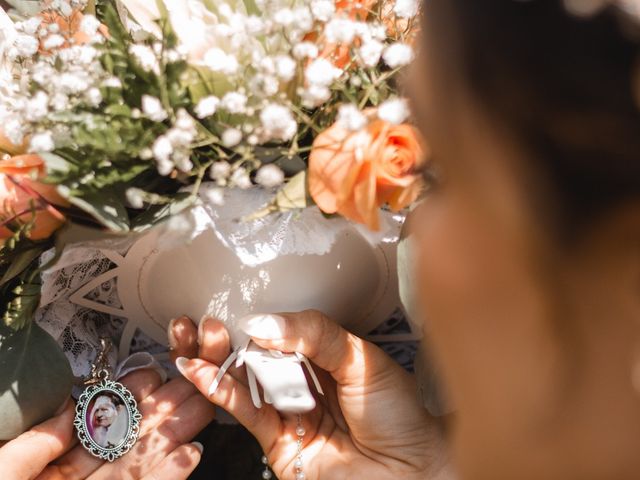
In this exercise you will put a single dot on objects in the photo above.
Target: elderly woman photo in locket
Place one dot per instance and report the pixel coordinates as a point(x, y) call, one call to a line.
point(107, 421)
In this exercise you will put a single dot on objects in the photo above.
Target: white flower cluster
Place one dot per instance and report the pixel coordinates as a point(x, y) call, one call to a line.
point(63, 72)
point(172, 150)
point(266, 66)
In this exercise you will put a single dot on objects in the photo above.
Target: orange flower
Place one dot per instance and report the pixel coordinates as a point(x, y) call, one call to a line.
point(22, 197)
point(70, 27)
point(400, 29)
point(355, 173)
point(340, 54)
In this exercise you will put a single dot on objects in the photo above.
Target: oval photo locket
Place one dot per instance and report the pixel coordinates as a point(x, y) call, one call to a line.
point(107, 419)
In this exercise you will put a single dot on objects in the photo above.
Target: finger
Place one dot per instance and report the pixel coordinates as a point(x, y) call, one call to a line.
point(264, 423)
point(183, 338)
point(179, 464)
point(214, 342)
point(184, 423)
point(78, 463)
point(26, 456)
point(322, 340)
point(215, 346)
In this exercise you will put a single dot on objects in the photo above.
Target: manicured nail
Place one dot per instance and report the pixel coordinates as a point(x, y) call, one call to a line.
point(199, 446)
point(173, 342)
point(266, 327)
point(181, 365)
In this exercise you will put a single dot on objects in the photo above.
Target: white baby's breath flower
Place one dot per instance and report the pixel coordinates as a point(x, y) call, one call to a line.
point(406, 8)
point(42, 142)
point(240, 178)
point(303, 19)
point(231, 137)
point(220, 171)
point(277, 122)
point(270, 176)
point(207, 106)
point(60, 101)
point(53, 41)
point(305, 50)
point(394, 110)
point(322, 72)
point(340, 30)
point(182, 161)
point(180, 138)
point(165, 167)
point(254, 25)
point(185, 122)
point(315, 95)
point(284, 17)
point(213, 196)
point(369, 53)
point(398, 55)
point(14, 130)
point(94, 97)
point(323, 10)
point(162, 149)
point(37, 107)
point(217, 60)
point(270, 85)
point(234, 102)
point(73, 82)
point(30, 26)
point(285, 67)
point(135, 197)
point(145, 57)
point(89, 24)
point(152, 109)
point(350, 117)
point(26, 45)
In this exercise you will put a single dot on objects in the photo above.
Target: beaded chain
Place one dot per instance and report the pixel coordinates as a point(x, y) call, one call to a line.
point(267, 474)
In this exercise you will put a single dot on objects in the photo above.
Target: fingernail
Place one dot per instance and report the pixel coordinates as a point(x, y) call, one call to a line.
point(201, 330)
point(199, 446)
point(173, 342)
point(63, 407)
point(181, 365)
point(266, 327)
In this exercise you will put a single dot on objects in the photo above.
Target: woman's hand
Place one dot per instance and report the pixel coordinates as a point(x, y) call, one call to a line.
point(172, 415)
point(368, 425)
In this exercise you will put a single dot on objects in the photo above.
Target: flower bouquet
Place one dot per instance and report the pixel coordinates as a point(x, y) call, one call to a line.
point(118, 114)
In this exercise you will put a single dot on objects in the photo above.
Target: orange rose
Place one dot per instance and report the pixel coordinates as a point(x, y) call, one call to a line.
point(355, 173)
point(22, 196)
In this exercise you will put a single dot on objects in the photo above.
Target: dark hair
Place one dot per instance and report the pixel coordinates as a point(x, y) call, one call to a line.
point(563, 84)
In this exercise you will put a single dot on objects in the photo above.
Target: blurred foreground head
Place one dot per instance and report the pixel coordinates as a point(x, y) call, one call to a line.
point(530, 235)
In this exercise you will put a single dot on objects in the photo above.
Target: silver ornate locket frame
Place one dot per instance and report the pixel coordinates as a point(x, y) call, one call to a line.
point(107, 418)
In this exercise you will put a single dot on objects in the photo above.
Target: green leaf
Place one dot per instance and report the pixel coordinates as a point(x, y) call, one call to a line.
point(56, 163)
point(294, 194)
point(20, 264)
point(35, 379)
point(157, 213)
point(104, 207)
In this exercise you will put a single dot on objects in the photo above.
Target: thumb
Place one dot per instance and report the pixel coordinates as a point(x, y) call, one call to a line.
point(320, 339)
